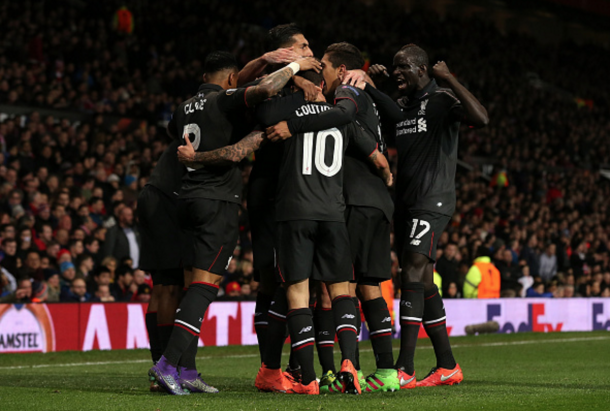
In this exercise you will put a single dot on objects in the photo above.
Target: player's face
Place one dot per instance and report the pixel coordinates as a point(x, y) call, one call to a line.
point(331, 76)
point(406, 73)
point(301, 46)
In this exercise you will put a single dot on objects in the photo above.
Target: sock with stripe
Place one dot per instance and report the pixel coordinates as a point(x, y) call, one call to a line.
point(324, 324)
point(359, 327)
point(153, 336)
point(276, 331)
point(188, 366)
point(261, 322)
point(344, 313)
point(302, 339)
point(379, 321)
point(411, 314)
point(187, 324)
point(436, 328)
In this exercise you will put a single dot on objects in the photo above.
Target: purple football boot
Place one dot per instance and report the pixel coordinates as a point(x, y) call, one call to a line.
point(166, 376)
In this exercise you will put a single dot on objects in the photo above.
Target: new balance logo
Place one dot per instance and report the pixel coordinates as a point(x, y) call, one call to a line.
point(305, 329)
point(178, 310)
point(415, 242)
point(406, 303)
point(257, 314)
point(422, 125)
point(350, 316)
point(386, 320)
point(323, 333)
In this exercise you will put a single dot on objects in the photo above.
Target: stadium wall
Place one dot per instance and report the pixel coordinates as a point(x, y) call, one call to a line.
point(88, 326)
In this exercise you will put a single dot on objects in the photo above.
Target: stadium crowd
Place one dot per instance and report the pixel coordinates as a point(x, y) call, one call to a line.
point(68, 190)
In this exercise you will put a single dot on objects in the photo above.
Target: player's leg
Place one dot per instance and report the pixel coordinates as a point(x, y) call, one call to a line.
point(447, 371)
point(324, 323)
point(156, 349)
point(333, 266)
point(215, 238)
point(352, 292)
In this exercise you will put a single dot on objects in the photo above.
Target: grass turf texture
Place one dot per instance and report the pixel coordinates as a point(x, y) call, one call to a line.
point(516, 371)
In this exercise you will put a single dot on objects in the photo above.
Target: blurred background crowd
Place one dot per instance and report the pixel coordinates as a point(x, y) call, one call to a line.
point(530, 186)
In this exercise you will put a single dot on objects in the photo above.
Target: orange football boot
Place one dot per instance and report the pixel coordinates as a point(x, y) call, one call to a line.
point(311, 389)
point(271, 380)
point(406, 381)
point(442, 376)
point(347, 380)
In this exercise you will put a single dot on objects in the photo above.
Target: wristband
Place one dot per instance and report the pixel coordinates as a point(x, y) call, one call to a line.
point(295, 67)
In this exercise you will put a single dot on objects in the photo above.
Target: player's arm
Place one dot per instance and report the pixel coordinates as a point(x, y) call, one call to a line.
point(223, 156)
point(274, 82)
point(171, 129)
point(378, 160)
point(474, 112)
point(344, 112)
point(388, 109)
point(255, 68)
point(277, 109)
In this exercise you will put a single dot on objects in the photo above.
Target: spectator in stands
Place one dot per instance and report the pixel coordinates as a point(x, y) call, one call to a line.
point(31, 266)
point(123, 287)
point(21, 295)
point(447, 266)
point(84, 265)
point(8, 256)
point(548, 263)
point(77, 292)
point(102, 294)
point(53, 285)
point(68, 274)
point(123, 240)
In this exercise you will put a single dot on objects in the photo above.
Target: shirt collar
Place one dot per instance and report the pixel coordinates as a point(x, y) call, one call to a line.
point(430, 87)
point(209, 87)
point(482, 260)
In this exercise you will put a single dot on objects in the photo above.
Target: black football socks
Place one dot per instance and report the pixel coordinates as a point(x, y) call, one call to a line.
point(411, 314)
point(324, 323)
point(436, 328)
point(153, 336)
point(189, 316)
point(302, 339)
point(276, 331)
point(379, 321)
point(261, 322)
point(344, 313)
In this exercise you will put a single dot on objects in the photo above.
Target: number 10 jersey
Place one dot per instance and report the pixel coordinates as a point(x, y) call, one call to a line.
point(310, 184)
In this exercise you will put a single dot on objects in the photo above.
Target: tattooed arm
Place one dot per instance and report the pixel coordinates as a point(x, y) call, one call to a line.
point(223, 156)
point(383, 168)
point(274, 82)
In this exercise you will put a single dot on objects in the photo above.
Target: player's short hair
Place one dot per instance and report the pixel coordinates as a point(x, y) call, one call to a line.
point(219, 60)
point(282, 35)
point(311, 75)
point(345, 54)
point(420, 57)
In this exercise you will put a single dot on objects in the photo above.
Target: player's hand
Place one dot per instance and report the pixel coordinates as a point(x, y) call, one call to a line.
point(309, 63)
point(310, 90)
point(21, 293)
point(389, 180)
point(281, 56)
point(441, 72)
point(378, 71)
point(279, 132)
point(186, 152)
point(353, 77)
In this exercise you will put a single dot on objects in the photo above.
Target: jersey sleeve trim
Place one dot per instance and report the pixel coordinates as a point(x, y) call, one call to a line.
point(376, 148)
point(245, 94)
point(348, 98)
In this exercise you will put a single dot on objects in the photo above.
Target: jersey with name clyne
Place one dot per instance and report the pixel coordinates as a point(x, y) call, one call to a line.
point(310, 185)
point(212, 119)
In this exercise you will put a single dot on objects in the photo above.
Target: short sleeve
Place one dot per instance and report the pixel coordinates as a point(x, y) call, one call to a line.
point(232, 99)
point(349, 92)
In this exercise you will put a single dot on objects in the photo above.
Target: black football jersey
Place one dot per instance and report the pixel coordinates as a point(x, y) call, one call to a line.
point(167, 174)
point(212, 119)
point(310, 183)
point(362, 185)
point(427, 126)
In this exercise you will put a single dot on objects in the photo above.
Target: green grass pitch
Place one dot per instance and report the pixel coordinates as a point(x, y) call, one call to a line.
point(553, 371)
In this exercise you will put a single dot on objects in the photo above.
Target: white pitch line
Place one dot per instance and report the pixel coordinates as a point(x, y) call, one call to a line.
point(496, 344)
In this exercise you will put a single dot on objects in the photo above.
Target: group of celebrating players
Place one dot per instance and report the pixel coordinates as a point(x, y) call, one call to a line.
point(319, 208)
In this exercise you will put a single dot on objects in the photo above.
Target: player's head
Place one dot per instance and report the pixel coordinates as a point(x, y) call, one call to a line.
point(411, 69)
point(315, 78)
point(338, 59)
point(220, 67)
point(290, 36)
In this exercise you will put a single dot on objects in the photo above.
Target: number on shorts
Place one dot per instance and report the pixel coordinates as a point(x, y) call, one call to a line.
point(416, 239)
point(308, 153)
point(194, 130)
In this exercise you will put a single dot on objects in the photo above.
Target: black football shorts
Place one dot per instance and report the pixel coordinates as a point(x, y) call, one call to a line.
point(161, 238)
point(418, 231)
point(369, 235)
point(318, 250)
point(214, 230)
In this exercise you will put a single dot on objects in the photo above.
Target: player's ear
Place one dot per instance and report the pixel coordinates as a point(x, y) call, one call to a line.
point(205, 77)
point(233, 79)
point(423, 69)
point(342, 72)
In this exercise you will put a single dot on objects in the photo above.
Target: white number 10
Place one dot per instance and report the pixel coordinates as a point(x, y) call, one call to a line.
point(326, 170)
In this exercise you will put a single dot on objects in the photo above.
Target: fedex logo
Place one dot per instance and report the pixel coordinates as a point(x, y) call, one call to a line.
point(532, 323)
point(601, 320)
